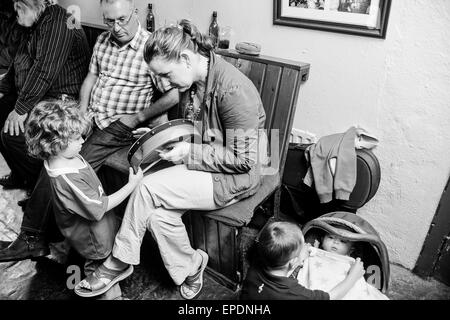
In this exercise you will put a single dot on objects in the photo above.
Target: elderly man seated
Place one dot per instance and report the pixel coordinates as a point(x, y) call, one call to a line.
point(119, 94)
point(50, 64)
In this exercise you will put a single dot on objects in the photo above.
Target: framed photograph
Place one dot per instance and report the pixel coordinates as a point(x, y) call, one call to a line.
point(359, 17)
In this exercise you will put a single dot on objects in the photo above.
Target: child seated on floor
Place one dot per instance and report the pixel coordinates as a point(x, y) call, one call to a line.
point(280, 249)
point(54, 133)
point(326, 266)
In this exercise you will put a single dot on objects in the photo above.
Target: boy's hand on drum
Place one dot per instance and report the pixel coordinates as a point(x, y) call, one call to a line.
point(139, 132)
point(356, 270)
point(135, 178)
point(177, 152)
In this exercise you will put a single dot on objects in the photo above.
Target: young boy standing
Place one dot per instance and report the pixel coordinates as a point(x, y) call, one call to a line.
point(54, 133)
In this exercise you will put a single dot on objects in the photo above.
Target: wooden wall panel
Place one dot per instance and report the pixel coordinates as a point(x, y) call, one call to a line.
point(227, 250)
point(257, 74)
point(212, 243)
point(269, 94)
point(198, 231)
point(230, 60)
point(285, 111)
point(244, 66)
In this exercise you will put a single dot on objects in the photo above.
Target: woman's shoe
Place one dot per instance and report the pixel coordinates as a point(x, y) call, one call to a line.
point(96, 281)
point(192, 286)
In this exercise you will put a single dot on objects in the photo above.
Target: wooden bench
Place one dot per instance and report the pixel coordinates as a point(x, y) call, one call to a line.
point(225, 234)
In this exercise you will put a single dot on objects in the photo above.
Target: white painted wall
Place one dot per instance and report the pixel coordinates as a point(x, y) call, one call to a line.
point(397, 88)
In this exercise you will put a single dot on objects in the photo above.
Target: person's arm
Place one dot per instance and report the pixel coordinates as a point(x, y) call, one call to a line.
point(163, 104)
point(168, 99)
point(53, 49)
point(117, 197)
point(79, 197)
point(354, 274)
point(6, 81)
point(86, 89)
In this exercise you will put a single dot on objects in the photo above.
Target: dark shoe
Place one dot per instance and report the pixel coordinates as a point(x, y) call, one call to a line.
point(26, 246)
point(23, 203)
point(4, 244)
point(9, 183)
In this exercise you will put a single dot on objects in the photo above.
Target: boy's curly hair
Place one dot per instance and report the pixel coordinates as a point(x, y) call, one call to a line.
point(51, 125)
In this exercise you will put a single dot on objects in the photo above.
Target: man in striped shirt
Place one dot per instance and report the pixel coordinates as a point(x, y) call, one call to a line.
point(11, 35)
point(119, 94)
point(50, 63)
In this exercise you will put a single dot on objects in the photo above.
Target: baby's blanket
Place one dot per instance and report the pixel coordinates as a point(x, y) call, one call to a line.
point(323, 270)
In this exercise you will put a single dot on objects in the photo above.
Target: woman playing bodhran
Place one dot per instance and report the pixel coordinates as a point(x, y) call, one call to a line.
point(224, 167)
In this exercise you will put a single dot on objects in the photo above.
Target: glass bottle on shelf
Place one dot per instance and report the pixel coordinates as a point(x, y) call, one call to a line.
point(214, 29)
point(150, 19)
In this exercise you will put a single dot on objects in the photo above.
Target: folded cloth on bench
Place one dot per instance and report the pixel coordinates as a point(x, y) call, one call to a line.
point(323, 270)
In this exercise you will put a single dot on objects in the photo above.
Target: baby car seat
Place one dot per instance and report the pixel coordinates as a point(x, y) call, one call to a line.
point(301, 202)
point(367, 242)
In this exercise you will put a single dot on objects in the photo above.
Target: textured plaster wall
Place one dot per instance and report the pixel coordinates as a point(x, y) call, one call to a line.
point(397, 88)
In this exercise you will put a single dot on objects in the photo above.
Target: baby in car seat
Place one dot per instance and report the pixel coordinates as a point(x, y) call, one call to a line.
point(280, 249)
point(327, 264)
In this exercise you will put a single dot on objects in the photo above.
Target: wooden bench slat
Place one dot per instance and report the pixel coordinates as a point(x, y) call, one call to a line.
point(227, 263)
point(198, 232)
point(269, 93)
point(212, 243)
point(230, 60)
point(284, 111)
point(257, 74)
point(244, 66)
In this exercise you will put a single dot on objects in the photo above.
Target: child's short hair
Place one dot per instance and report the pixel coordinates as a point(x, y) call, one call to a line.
point(277, 242)
point(51, 125)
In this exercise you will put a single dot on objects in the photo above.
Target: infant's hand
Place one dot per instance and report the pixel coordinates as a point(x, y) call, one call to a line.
point(357, 270)
point(135, 178)
point(308, 248)
point(316, 243)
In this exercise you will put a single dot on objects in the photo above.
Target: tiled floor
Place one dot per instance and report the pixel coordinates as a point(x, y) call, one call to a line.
point(46, 279)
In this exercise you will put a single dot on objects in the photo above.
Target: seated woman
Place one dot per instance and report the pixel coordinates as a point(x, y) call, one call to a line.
point(220, 170)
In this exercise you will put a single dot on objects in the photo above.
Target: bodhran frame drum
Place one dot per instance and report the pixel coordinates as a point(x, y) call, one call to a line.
point(144, 153)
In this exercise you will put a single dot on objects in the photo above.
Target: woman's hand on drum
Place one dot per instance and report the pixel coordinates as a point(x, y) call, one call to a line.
point(139, 132)
point(177, 152)
point(135, 178)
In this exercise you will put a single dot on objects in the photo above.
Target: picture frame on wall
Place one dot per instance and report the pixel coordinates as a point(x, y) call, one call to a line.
point(357, 17)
